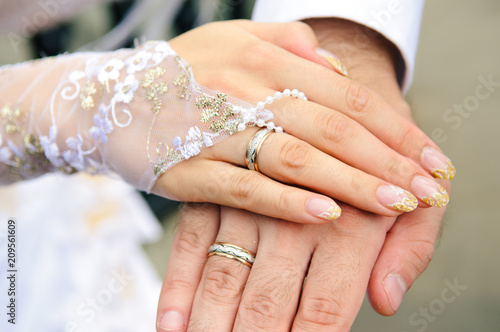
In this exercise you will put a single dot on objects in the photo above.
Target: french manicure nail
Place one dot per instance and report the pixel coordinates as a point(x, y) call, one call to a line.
point(395, 289)
point(323, 208)
point(430, 192)
point(333, 61)
point(396, 198)
point(171, 321)
point(438, 164)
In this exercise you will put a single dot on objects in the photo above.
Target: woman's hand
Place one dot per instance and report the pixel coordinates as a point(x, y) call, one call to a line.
point(330, 153)
point(126, 112)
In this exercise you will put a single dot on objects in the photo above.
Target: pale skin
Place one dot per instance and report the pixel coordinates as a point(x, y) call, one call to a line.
point(343, 143)
point(320, 154)
point(343, 259)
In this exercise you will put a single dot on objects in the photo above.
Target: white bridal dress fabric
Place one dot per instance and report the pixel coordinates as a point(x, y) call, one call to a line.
point(80, 261)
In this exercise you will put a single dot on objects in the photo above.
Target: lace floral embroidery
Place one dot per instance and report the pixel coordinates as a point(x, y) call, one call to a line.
point(183, 80)
point(113, 91)
point(223, 117)
point(22, 160)
point(153, 88)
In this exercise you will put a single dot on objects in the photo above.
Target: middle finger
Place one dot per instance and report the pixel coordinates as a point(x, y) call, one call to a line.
point(272, 293)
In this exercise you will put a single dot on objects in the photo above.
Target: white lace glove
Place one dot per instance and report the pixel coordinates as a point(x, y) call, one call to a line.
point(139, 112)
point(131, 112)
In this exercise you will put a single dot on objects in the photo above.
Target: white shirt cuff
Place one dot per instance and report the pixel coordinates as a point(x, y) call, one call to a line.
point(397, 20)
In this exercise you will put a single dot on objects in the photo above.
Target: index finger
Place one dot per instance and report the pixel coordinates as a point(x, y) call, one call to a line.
point(326, 87)
point(197, 228)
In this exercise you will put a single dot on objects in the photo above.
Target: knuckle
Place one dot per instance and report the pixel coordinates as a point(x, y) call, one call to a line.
point(226, 81)
point(357, 183)
point(320, 311)
point(397, 167)
point(263, 307)
point(222, 284)
point(262, 311)
point(201, 324)
point(242, 188)
point(257, 56)
point(286, 201)
point(421, 255)
point(407, 136)
point(178, 278)
point(358, 99)
point(334, 128)
point(295, 154)
point(411, 136)
point(189, 242)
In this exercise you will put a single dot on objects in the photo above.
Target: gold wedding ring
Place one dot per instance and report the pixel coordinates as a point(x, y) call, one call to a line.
point(254, 146)
point(232, 251)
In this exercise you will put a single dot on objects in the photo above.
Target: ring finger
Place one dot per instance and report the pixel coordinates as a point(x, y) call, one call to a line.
point(289, 160)
point(218, 295)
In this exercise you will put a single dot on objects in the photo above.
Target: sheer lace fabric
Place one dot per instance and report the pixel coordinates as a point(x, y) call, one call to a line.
point(131, 112)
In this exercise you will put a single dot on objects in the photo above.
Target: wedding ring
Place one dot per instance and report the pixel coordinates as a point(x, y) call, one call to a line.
point(232, 251)
point(254, 146)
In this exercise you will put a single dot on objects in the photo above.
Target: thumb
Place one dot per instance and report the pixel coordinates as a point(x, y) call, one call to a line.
point(406, 253)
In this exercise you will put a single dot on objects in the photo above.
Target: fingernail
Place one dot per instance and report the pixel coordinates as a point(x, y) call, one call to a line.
point(438, 164)
point(333, 61)
point(430, 192)
point(171, 321)
point(395, 289)
point(323, 208)
point(396, 198)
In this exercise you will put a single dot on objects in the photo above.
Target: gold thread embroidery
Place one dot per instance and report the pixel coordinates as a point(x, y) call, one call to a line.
point(163, 157)
point(218, 112)
point(182, 80)
point(154, 89)
point(87, 96)
point(33, 157)
point(11, 119)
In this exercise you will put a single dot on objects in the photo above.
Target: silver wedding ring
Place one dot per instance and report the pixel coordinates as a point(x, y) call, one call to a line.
point(254, 146)
point(232, 251)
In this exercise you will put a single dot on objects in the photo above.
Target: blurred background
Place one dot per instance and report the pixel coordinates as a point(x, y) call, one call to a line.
point(459, 51)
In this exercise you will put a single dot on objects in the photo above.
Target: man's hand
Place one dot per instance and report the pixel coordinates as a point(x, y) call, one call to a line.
point(410, 243)
point(220, 294)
